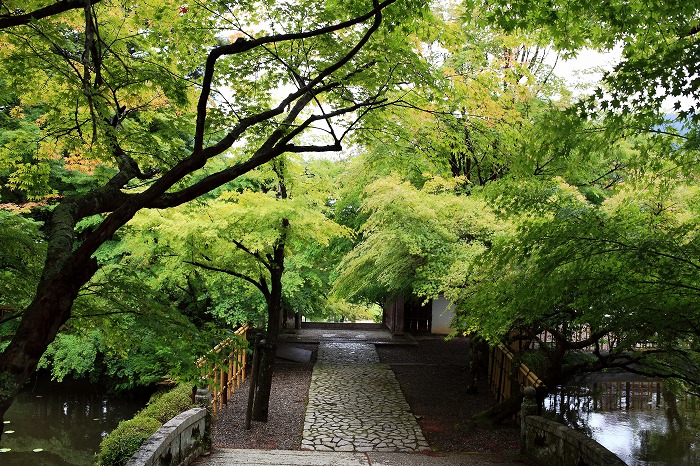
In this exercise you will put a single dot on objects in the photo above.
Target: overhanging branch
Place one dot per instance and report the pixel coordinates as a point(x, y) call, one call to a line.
point(7, 21)
point(245, 45)
point(259, 285)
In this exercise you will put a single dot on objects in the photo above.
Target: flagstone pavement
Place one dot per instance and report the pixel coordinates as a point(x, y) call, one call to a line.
point(356, 404)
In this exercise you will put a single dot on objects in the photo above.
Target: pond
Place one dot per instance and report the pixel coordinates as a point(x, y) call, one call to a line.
point(639, 421)
point(61, 424)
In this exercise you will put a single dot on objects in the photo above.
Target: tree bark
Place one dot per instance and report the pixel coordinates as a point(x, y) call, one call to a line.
point(274, 324)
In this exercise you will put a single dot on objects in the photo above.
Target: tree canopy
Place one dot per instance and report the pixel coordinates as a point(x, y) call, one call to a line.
point(146, 97)
point(158, 177)
point(660, 44)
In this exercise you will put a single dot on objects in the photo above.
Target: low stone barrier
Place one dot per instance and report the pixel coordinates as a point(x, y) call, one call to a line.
point(555, 444)
point(178, 443)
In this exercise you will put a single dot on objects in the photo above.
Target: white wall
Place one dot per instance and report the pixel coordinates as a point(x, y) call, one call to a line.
point(443, 312)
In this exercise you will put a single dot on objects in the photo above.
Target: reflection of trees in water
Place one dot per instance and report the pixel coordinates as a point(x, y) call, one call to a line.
point(675, 420)
point(67, 425)
point(58, 450)
point(572, 405)
point(673, 447)
point(671, 441)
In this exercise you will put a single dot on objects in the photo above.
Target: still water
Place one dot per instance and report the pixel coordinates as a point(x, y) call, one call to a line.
point(55, 425)
point(640, 422)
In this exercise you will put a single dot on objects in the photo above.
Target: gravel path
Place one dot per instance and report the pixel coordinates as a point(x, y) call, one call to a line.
point(432, 375)
point(290, 388)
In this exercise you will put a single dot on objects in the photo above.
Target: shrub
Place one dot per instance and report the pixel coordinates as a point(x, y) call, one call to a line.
point(165, 406)
point(121, 444)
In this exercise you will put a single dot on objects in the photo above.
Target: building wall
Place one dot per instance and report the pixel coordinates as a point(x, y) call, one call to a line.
point(443, 312)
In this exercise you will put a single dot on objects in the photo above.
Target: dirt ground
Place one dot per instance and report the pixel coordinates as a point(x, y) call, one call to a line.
point(434, 377)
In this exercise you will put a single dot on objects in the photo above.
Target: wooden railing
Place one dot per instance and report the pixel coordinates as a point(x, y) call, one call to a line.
point(505, 375)
point(225, 372)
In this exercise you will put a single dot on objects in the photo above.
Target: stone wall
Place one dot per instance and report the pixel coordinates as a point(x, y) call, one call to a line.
point(178, 443)
point(555, 444)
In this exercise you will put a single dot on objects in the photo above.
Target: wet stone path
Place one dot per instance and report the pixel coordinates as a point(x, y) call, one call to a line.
point(356, 404)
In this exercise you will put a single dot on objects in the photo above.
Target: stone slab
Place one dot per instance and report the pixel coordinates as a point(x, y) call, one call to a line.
point(292, 353)
point(230, 457)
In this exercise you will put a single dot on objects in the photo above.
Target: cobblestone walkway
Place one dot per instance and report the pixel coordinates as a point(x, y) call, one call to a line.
point(356, 405)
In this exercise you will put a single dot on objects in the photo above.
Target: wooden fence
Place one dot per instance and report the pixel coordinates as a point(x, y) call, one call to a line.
point(506, 376)
point(225, 374)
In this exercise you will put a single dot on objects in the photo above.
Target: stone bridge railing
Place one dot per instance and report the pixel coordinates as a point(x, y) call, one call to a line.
point(555, 444)
point(178, 443)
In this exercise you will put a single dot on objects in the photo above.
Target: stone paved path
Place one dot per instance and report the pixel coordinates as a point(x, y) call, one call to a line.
point(356, 405)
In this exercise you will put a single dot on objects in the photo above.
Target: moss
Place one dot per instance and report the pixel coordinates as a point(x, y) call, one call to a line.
point(127, 438)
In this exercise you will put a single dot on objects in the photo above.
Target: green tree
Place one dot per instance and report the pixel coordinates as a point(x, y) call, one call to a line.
point(621, 273)
point(414, 242)
point(259, 238)
point(156, 91)
point(660, 44)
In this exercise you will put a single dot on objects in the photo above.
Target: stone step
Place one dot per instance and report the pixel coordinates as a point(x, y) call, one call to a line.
point(231, 457)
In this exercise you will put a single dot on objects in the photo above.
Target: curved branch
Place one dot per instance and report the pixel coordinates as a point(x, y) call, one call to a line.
point(255, 255)
point(7, 21)
point(241, 46)
point(259, 285)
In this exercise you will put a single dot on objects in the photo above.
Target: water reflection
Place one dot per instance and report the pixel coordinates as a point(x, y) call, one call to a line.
point(639, 421)
point(66, 426)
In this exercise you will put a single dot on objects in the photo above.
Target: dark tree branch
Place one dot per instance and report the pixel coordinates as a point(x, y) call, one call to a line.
point(259, 285)
point(7, 21)
point(255, 255)
point(245, 45)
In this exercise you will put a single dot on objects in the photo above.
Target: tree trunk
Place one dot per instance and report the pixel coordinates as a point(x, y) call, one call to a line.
point(267, 367)
point(37, 329)
point(274, 324)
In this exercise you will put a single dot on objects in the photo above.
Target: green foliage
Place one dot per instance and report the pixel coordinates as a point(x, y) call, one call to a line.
point(117, 447)
point(120, 445)
point(235, 233)
point(414, 241)
point(165, 406)
point(623, 268)
point(340, 310)
point(22, 248)
point(658, 62)
point(71, 355)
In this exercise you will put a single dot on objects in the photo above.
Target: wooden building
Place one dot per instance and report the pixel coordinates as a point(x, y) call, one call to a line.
point(414, 315)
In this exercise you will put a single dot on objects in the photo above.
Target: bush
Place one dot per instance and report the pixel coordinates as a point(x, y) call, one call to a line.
point(167, 405)
point(121, 444)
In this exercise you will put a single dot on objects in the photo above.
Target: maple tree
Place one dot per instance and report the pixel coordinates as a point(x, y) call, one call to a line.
point(153, 93)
